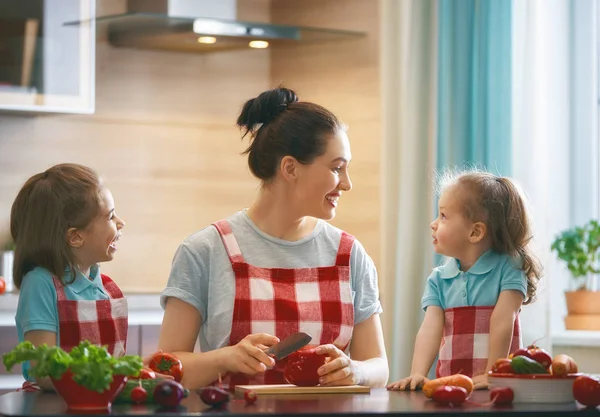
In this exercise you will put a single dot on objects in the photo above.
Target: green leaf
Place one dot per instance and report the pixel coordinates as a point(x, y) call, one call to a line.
point(579, 248)
point(92, 366)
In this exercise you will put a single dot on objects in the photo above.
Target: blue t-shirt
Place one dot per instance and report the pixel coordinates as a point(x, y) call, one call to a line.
point(481, 285)
point(37, 308)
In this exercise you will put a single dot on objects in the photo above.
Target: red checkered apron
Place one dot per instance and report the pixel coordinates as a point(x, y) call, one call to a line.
point(282, 302)
point(465, 343)
point(102, 322)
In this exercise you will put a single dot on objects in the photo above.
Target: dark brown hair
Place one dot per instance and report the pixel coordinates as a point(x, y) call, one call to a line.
point(502, 206)
point(51, 202)
point(280, 125)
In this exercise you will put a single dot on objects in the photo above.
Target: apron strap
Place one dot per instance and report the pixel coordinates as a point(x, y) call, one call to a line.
point(229, 241)
point(111, 288)
point(344, 250)
point(60, 289)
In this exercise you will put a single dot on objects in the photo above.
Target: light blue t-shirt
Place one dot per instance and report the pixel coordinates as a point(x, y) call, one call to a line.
point(37, 308)
point(201, 273)
point(481, 285)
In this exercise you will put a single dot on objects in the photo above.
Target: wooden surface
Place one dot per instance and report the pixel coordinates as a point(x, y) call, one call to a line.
point(379, 402)
point(288, 389)
point(344, 77)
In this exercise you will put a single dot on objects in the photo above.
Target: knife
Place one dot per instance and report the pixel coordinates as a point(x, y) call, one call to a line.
point(289, 345)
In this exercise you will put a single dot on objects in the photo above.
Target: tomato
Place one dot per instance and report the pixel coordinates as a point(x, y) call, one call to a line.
point(522, 352)
point(586, 390)
point(541, 356)
point(2, 285)
point(138, 395)
point(502, 366)
point(168, 393)
point(250, 397)
point(449, 395)
point(165, 363)
point(302, 367)
point(146, 373)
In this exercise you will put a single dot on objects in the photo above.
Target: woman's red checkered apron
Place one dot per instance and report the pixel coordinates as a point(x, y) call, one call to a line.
point(465, 342)
point(282, 302)
point(102, 322)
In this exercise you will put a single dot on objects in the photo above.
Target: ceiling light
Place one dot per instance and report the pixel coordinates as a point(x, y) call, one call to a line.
point(207, 39)
point(258, 44)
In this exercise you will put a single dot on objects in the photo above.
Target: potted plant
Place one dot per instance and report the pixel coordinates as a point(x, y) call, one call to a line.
point(579, 248)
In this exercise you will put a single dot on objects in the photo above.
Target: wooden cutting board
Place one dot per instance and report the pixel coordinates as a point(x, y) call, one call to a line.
point(284, 389)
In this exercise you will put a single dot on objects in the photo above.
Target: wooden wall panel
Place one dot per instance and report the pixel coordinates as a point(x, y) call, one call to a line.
point(164, 138)
point(344, 77)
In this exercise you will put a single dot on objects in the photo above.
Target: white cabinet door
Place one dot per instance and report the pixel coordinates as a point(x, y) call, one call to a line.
point(46, 65)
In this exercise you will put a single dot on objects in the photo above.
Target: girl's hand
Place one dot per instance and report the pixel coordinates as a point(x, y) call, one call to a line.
point(339, 369)
point(146, 362)
point(411, 382)
point(248, 356)
point(481, 382)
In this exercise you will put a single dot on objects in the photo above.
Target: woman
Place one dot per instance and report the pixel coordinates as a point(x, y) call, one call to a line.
point(278, 267)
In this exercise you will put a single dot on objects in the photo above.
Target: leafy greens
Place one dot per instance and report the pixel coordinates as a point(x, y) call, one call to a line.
point(91, 365)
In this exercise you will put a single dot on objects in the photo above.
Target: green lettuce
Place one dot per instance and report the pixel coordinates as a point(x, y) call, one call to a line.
point(92, 366)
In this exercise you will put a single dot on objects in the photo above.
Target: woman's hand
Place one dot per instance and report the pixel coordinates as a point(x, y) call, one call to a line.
point(412, 382)
point(339, 369)
point(248, 356)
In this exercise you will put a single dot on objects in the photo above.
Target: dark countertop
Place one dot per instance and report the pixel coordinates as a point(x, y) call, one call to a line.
point(378, 402)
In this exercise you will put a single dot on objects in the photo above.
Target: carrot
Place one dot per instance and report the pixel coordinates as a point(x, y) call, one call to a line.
point(563, 364)
point(456, 380)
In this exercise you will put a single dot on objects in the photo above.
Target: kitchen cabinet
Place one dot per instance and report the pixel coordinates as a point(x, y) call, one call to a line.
point(45, 65)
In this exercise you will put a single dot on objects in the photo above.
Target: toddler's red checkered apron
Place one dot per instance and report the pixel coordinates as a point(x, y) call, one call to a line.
point(102, 322)
point(282, 302)
point(465, 342)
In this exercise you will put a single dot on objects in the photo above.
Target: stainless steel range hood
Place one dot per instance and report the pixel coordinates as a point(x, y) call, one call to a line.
point(203, 26)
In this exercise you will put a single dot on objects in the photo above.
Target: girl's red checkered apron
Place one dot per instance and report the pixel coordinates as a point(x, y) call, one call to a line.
point(465, 342)
point(281, 302)
point(102, 322)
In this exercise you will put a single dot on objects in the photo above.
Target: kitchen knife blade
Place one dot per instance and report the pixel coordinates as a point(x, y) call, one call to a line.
point(289, 345)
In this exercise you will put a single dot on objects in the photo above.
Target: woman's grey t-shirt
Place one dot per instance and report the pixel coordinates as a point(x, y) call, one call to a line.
point(201, 273)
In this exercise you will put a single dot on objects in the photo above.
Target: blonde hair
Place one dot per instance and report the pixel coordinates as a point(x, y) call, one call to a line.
point(502, 206)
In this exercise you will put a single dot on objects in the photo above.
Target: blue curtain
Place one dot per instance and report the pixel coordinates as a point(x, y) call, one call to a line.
point(474, 84)
point(474, 88)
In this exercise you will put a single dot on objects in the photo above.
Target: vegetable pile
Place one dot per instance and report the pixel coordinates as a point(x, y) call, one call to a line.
point(147, 388)
point(454, 390)
point(92, 366)
point(535, 360)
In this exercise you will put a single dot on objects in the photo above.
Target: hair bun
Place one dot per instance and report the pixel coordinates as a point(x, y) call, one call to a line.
point(265, 108)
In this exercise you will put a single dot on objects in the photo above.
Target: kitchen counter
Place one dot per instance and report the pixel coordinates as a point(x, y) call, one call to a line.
point(144, 309)
point(379, 402)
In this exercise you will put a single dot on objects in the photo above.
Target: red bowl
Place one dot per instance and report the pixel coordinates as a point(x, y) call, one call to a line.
point(80, 398)
point(302, 367)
